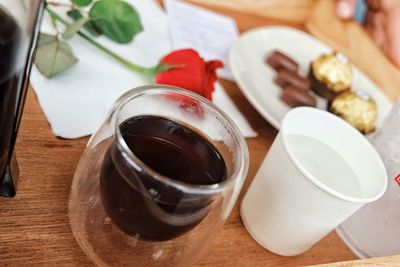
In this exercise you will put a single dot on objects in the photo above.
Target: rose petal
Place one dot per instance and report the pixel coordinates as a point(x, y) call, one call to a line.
point(190, 72)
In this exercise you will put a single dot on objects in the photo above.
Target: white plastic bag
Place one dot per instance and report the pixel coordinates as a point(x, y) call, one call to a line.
point(374, 230)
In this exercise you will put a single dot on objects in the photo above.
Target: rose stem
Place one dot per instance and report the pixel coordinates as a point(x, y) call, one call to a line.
point(148, 71)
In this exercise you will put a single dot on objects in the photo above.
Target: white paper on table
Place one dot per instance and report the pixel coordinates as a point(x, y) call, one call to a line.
point(76, 102)
point(209, 33)
point(222, 100)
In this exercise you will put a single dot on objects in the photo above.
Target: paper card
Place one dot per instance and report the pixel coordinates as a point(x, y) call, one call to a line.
point(211, 34)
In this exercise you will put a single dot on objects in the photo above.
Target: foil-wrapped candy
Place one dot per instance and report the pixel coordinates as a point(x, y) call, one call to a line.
point(334, 70)
point(330, 75)
point(357, 108)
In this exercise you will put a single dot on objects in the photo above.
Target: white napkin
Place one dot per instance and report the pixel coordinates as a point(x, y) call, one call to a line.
point(77, 101)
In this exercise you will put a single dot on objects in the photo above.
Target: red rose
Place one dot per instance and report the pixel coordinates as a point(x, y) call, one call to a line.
point(190, 71)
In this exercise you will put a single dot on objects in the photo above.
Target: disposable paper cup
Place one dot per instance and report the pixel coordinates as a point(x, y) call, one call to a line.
point(319, 171)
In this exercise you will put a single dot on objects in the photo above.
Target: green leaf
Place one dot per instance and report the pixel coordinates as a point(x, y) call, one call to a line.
point(53, 56)
point(116, 19)
point(73, 28)
point(75, 14)
point(81, 3)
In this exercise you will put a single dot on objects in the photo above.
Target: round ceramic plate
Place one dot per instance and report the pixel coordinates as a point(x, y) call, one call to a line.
point(255, 77)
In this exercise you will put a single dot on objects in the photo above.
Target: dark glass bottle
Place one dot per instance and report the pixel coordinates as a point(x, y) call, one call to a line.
point(19, 27)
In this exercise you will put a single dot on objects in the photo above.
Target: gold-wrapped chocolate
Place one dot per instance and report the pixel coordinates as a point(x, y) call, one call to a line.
point(334, 70)
point(357, 108)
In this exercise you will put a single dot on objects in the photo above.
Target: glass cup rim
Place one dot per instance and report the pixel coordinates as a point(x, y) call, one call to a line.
point(191, 188)
point(351, 131)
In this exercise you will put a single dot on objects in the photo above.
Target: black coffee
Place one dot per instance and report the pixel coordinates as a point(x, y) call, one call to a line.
point(146, 207)
point(11, 73)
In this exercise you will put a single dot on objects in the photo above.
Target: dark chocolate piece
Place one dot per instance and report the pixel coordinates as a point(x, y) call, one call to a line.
point(286, 77)
point(296, 98)
point(278, 61)
point(280, 81)
point(296, 88)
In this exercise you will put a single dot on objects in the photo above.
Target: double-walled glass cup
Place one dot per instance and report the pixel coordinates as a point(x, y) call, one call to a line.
point(123, 212)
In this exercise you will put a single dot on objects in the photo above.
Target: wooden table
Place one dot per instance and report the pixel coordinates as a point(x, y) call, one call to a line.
point(34, 226)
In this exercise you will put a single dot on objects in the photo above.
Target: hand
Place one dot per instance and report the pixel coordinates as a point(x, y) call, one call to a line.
point(382, 22)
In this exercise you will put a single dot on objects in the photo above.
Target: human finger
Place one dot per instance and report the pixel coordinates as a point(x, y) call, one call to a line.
point(345, 8)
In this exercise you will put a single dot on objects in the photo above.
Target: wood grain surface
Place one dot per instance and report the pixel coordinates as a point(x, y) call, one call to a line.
point(296, 11)
point(34, 226)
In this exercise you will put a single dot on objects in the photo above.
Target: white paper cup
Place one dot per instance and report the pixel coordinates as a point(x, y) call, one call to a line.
point(318, 171)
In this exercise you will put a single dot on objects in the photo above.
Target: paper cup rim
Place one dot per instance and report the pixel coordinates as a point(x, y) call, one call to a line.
point(353, 132)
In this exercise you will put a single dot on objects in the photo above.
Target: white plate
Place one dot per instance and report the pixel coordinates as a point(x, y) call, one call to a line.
point(255, 77)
